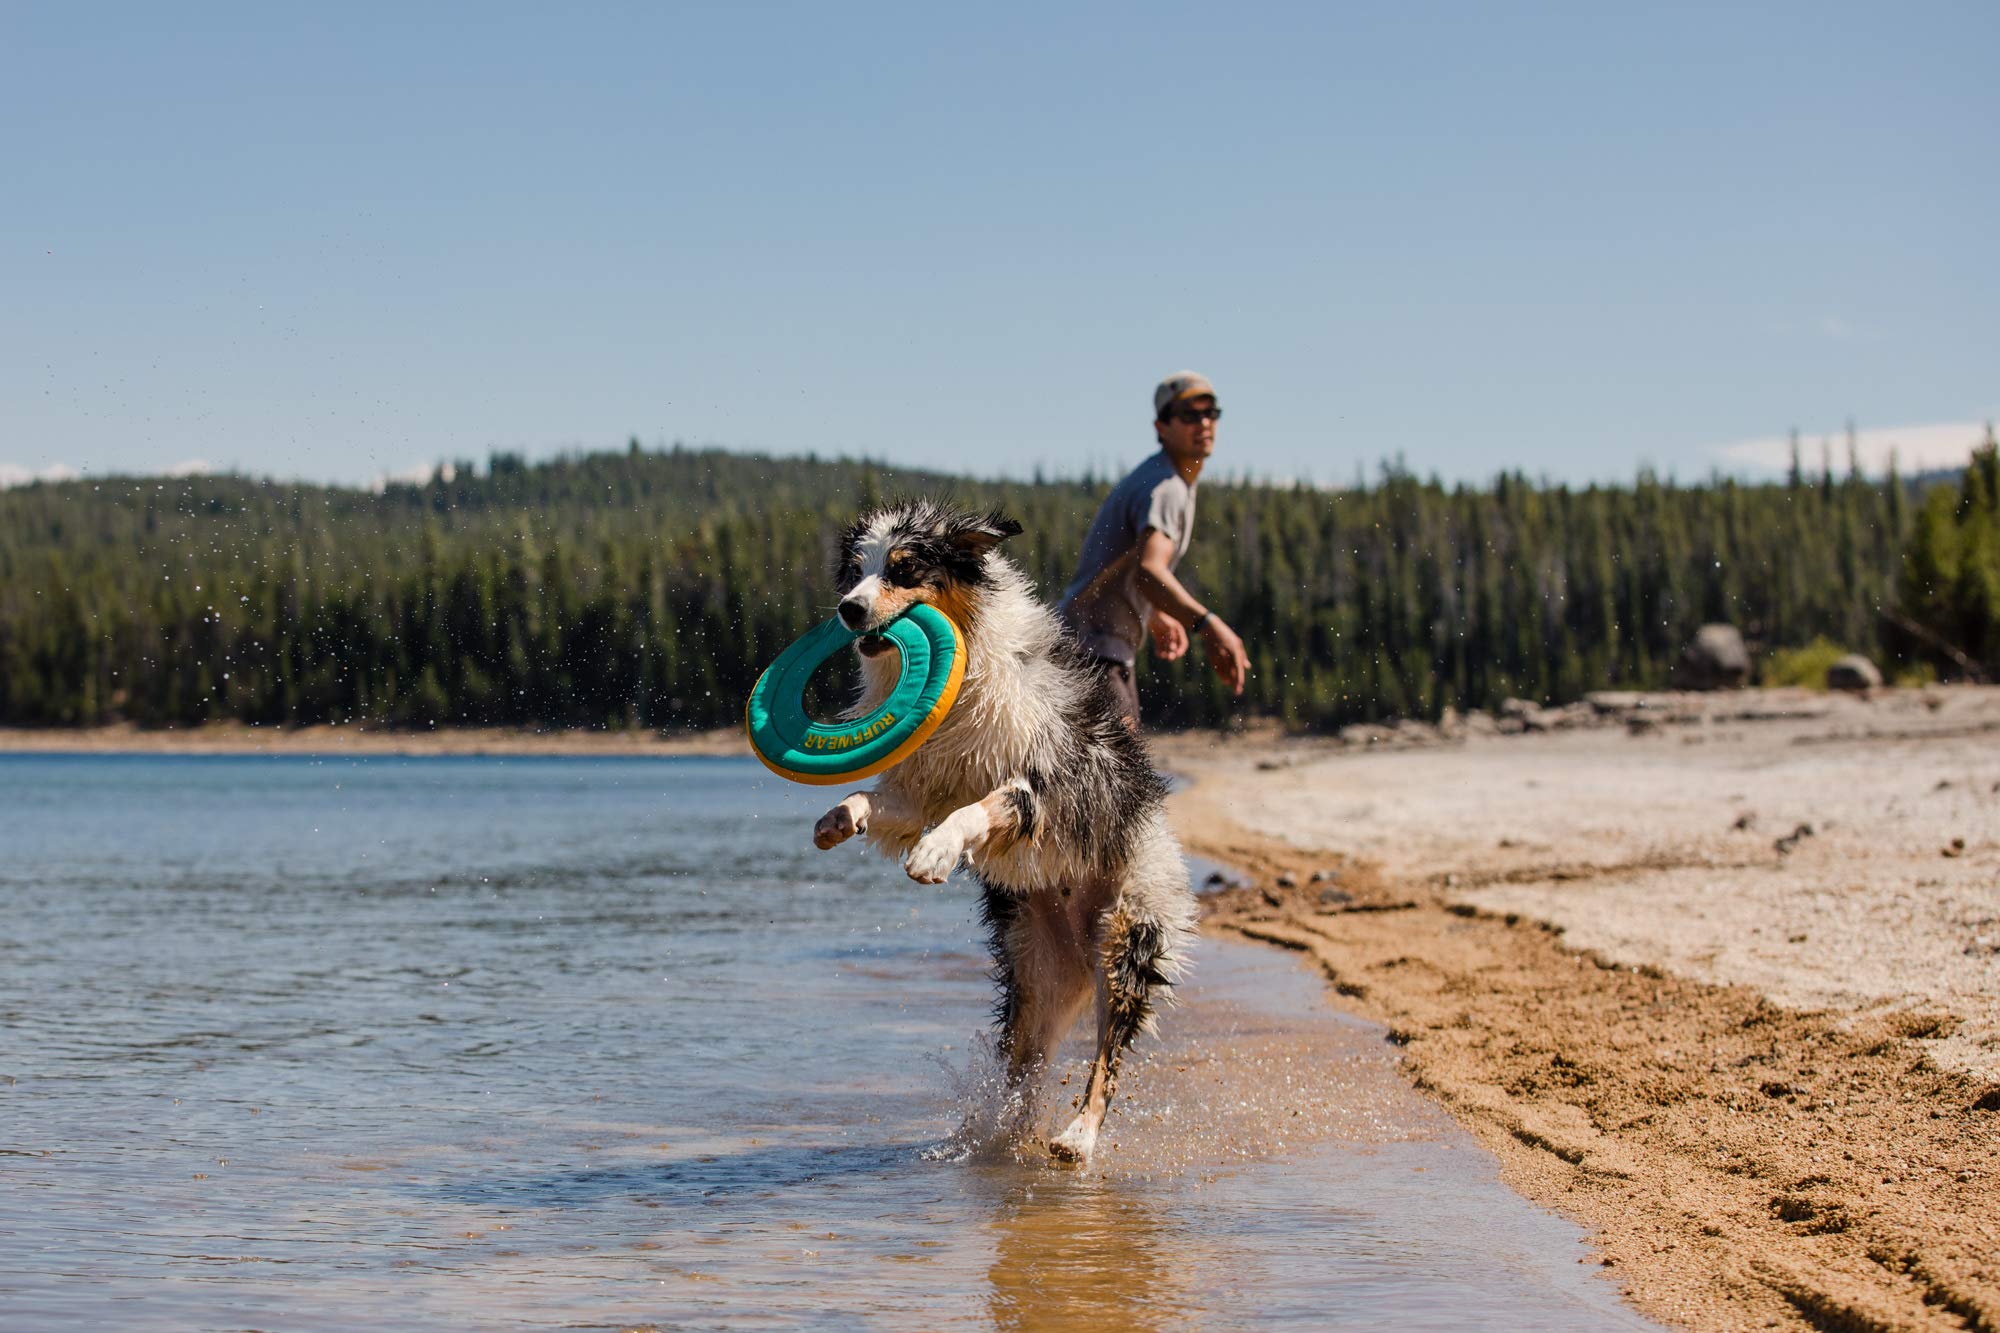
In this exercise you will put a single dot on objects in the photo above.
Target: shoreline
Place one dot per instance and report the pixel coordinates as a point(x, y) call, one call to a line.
point(1554, 928)
point(1691, 975)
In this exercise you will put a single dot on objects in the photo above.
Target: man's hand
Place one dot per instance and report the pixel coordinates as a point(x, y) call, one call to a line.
point(1170, 640)
point(1225, 653)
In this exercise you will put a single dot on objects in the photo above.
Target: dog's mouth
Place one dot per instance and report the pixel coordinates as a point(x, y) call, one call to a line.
point(873, 645)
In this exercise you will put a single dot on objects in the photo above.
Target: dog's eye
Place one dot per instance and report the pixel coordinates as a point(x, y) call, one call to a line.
point(904, 573)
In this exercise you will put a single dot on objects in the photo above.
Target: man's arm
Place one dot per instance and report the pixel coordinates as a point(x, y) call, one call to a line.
point(1156, 581)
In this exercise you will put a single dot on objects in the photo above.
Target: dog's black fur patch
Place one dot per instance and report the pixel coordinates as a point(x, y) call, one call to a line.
point(1109, 785)
point(998, 911)
point(1026, 810)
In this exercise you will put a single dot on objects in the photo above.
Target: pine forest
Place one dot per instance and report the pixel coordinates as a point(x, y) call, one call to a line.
point(648, 588)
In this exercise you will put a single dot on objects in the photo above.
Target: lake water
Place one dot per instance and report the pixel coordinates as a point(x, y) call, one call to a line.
point(551, 1043)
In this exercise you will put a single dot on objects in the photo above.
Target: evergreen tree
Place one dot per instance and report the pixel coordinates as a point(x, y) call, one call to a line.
point(649, 588)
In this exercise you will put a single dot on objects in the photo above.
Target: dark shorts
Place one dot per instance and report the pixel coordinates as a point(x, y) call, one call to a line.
point(1124, 688)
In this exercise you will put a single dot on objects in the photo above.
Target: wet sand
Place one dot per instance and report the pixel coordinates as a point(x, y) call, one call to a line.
point(1762, 1065)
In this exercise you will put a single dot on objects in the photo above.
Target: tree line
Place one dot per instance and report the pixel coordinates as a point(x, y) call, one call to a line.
point(648, 588)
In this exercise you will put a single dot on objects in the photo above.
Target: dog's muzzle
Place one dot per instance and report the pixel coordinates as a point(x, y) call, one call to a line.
point(854, 613)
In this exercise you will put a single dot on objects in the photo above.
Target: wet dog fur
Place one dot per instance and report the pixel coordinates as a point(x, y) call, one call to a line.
point(1032, 781)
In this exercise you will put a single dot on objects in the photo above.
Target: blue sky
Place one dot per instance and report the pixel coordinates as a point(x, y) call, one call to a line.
point(1569, 239)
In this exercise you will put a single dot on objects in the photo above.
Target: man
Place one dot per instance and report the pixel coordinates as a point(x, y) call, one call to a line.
point(1125, 586)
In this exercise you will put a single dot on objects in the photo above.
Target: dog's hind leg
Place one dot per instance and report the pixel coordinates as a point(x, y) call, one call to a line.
point(1142, 950)
point(1125, 997)
point(1007, 813)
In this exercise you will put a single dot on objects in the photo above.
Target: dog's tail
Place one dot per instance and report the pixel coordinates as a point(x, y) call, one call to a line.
point(1149, 934)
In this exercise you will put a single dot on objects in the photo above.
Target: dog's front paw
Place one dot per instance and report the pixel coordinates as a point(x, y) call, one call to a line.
point(835, 827)
point(932, 860)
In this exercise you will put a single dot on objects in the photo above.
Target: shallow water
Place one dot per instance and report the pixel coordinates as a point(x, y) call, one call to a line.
point(600, 1043)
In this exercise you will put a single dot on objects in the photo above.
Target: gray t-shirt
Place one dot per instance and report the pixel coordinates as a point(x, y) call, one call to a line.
point(1103, 603)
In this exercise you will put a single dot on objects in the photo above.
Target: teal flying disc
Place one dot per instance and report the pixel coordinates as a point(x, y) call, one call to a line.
point(794, 746)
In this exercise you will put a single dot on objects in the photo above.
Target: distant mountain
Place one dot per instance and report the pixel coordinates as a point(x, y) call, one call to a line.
point(1943, 476)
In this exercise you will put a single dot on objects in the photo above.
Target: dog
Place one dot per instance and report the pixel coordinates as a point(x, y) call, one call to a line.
point(1031, 779)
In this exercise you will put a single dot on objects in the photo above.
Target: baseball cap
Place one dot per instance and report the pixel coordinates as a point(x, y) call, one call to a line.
point(1181, 384)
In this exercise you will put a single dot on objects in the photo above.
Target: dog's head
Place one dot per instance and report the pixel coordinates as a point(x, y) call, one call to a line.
point(916, 551)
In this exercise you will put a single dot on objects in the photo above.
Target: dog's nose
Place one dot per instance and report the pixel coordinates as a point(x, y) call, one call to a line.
point(854, 613)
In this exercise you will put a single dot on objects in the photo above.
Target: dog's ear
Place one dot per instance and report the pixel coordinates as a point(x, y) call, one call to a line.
point(981, 535)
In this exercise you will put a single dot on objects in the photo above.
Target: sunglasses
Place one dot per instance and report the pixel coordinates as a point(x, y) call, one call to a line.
point(1191, 414)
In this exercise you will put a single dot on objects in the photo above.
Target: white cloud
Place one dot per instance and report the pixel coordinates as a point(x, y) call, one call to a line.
point(189, 467)
point(13, 474)
point(1938, 444)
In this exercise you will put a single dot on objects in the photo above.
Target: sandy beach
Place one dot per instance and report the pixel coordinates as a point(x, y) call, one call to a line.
point(1719, 981)
point(1717, 976)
